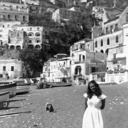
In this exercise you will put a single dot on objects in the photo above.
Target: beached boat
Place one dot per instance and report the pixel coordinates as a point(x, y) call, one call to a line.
point(8, 87)
point(22, 86)
point(4, 99)
point(60, 84)
point(22, 89)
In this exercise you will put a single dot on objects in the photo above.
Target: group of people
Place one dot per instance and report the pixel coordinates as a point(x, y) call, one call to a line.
point(94, 103)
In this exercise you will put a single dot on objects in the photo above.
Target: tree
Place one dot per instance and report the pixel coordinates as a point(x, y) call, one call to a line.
point(32, 61)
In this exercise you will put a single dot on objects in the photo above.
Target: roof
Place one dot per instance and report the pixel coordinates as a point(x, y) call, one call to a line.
point(110, 20)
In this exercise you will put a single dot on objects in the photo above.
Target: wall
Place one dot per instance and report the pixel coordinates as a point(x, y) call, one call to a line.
point(4, 30)
point(112, 41)
point(8, 63)
point(34, 34)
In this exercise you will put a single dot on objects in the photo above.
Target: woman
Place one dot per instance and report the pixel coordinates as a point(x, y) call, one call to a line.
point(94, 102)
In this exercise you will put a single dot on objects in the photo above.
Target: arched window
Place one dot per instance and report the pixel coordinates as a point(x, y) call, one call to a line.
point(18, 47)
point(83, 57)
point(96, 44)
point(117, 39)
point(38, 41)
point(107, 50)
point(108, 41)
point(30, 34)
point(37, 46)
point(102, 51)
point(30, 41)
point(37, 34)
point(78, 70)
point(101, 42)
point(31, 46)
point(12, 47)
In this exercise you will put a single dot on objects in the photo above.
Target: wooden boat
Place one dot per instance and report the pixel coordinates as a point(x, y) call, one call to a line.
point(60, 84)
point(22, 89)
point(4, 99)
point(22, 86)
point(8, 87)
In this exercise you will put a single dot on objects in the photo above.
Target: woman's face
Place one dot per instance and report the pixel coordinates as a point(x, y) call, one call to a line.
point(93, 87)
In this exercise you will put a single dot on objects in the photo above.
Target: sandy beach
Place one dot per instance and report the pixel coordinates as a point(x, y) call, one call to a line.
point(28, 110)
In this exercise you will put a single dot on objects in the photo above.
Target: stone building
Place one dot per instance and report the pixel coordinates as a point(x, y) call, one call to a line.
point(33, 35)
point(17, 39)
point(14, 12)
point(5, 27)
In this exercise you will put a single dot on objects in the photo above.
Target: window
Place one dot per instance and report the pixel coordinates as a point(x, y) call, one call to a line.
point(30, 41)
point(107, 50)
point(107, 30)
point(101, 42)
point(83, 57)
point(127, 17)
point(17, 7)
point(4, 68)
point(117, 39)
point(116, 25)
point(96, 44)
point(38, 41)
point(4, 17)
point(16, 17)
point(111, 28)
point(108, 41)
point(37, 34)
point(30, 34)
point(12, 68)
point(102, 51)
point(70, 62)
point(79, 57)
point(9, 16)
point(24, 18)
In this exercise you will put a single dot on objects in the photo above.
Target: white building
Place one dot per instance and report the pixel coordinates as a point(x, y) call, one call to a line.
point(5, 27)
point(34, 2)
point(34, 35)
point(57, 68)
point(85, 62)
point(11, 68)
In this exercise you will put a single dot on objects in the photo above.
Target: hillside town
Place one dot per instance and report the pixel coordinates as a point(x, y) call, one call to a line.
point(56, 57)
point(102, 57)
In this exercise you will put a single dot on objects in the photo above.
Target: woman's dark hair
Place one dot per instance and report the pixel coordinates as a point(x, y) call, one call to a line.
point(98, 90)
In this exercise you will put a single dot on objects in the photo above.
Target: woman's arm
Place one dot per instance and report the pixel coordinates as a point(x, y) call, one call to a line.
point(86, 103)
point(103, 104)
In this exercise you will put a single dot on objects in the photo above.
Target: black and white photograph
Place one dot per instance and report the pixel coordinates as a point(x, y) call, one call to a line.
point(63, 63)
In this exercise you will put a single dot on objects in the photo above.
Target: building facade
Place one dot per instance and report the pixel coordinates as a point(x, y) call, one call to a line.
point(14, 12)
point(17, 39)
point(5, 27)
point(57, 68)
point(111, 39)
point(11, 68)
point(33, 35)
point(85, 62)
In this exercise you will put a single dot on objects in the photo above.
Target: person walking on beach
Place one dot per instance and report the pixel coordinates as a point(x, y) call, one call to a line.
point(94, 103)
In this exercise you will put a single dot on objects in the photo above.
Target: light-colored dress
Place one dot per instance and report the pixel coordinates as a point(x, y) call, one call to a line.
point(93, 117)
